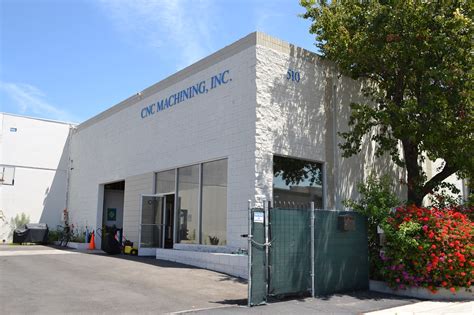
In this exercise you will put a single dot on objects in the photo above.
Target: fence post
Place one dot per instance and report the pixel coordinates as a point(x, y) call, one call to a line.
point(312, 249)
point(249, 252)
point(266, 205)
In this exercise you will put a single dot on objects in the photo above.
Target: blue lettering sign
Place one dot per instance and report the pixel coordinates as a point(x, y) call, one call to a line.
point(183, 95)
point(148, 111)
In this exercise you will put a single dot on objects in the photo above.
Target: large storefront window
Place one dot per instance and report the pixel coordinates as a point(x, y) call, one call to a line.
point(214, 202)
point(188, 204)
point(297, 182)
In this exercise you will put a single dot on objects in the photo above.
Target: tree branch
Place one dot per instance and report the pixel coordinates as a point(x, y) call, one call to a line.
point(447, 171)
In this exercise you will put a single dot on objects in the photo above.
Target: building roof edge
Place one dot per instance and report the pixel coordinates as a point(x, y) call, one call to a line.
point(41, 119)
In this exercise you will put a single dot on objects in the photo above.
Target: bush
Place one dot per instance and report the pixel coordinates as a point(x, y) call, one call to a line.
point(375, 203)
point(430, 248)
point(54, 235)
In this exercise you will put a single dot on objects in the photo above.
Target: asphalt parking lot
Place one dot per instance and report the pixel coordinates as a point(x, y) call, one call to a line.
point(40, 279)
point(47, 280)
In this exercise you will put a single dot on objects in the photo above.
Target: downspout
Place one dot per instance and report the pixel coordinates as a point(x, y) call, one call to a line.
point(337, 201)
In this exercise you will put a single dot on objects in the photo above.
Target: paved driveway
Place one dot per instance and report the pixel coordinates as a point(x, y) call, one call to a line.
point(40, 279)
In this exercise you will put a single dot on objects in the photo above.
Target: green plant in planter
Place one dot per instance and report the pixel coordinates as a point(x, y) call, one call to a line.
point(79, 235)
point(376, 201)
point(54, 235)
point(214, 240)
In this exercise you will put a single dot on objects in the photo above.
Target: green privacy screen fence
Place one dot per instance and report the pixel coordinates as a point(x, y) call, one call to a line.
point(289, 257)
point(281, 259)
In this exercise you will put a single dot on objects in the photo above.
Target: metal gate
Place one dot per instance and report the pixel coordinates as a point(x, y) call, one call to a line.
point(305, 252)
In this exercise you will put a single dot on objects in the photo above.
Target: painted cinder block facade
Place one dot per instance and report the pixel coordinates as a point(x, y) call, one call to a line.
point(34, 154)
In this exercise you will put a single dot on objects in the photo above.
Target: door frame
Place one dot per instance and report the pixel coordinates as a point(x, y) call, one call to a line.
point(165, 217)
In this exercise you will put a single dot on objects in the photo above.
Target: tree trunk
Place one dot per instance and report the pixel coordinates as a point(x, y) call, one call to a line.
point(414, 173)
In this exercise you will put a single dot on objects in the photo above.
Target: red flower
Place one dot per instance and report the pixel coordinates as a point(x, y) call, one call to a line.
point(452, 289)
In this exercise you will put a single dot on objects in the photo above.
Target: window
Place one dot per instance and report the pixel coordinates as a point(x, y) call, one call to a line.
point(7, 175)
point(297, 182)
point(214, 202)
point(165, 182)
point(188, 204)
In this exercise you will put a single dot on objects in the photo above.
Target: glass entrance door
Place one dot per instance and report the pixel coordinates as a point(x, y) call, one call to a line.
point(157, 221)
point(151, 226)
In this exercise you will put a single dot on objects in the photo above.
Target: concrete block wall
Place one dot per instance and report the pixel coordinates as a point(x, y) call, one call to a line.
point(302, 119)
point(291, 116)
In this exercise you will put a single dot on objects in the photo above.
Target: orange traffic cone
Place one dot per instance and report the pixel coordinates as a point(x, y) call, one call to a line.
point(92, 242)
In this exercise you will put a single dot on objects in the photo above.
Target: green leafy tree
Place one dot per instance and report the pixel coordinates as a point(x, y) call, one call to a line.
point(416, 58)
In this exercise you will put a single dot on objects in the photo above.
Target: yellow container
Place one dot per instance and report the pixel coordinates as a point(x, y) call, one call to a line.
point(127, 250)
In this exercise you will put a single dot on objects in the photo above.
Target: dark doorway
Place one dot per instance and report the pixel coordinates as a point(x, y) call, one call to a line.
point(112, 212)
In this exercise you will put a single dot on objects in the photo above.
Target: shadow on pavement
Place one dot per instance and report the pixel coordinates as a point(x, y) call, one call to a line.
point(365, 295)
point(241, 302)
point(150, 260)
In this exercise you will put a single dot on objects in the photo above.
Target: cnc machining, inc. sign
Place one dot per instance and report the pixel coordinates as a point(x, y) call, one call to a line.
point(201, 87)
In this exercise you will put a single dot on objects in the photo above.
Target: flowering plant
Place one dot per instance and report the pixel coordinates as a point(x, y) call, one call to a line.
point(428, 247)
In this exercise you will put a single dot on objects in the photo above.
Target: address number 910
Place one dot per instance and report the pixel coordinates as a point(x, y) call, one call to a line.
point(293, 75)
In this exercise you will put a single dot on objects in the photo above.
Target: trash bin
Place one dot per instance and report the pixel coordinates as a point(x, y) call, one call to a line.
point(31, 233)
point(111, 236)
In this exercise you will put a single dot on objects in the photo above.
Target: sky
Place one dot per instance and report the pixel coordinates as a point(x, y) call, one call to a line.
point(69, 60)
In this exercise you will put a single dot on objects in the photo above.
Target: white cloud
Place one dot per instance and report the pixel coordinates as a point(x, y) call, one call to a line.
point(31, 101)
point(184, 27)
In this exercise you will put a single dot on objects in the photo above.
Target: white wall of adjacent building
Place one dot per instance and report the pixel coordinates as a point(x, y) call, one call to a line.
point(37, 151)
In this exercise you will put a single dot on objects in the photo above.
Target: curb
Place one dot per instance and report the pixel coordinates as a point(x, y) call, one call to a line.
point(423, 293)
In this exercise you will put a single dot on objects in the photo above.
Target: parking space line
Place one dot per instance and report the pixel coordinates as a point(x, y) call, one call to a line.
point(7, 253)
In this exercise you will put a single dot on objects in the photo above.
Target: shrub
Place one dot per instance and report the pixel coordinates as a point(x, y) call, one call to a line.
point(54, 235)
point(428, 247)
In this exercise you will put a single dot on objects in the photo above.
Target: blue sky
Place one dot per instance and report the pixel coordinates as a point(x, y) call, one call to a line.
point(71, 59)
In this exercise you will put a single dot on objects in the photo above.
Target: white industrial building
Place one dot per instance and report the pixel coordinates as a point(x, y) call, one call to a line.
point(176, 164)
point(33, 170)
